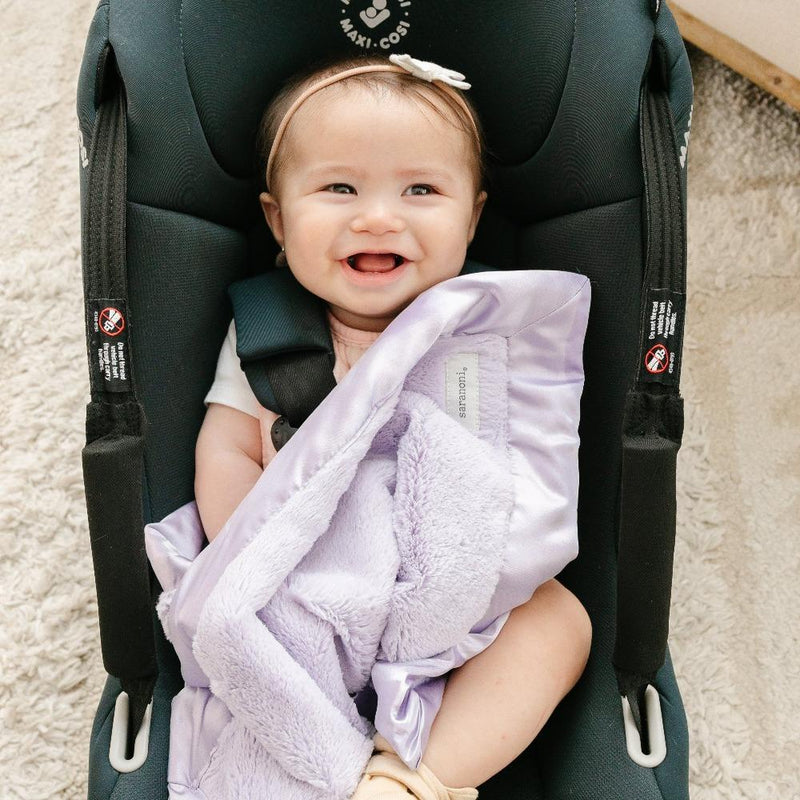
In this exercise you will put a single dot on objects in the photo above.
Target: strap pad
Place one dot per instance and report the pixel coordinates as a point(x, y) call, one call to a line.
point(283, 342)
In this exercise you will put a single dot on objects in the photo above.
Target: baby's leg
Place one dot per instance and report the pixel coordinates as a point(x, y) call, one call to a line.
point(496, 703)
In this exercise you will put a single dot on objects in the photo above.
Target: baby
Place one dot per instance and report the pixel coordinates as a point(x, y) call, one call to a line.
point(374, 175)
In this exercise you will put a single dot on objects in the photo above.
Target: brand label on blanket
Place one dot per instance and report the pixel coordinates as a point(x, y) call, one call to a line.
point(108, 331)
point(663, 337)
point(461, 389)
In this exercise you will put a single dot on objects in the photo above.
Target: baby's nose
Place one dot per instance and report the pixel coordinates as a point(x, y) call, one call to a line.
point(378, 218)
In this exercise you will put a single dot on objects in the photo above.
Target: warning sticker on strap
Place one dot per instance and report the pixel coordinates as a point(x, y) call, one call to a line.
point(108, 328)
point(663, 341)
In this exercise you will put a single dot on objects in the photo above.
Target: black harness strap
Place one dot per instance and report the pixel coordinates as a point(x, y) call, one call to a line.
point(113, 456)
point(284, 344)
point(653, 417)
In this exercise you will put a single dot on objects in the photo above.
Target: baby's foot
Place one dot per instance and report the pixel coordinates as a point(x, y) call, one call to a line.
point(386, 777)
point(380, 787)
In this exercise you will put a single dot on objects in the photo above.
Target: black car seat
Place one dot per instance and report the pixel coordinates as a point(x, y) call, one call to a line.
point(586, 106)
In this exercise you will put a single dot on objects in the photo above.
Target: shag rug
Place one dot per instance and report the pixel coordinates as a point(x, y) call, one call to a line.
point(736, 615)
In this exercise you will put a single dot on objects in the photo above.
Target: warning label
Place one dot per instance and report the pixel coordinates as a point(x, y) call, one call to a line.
point(109, 343)
point(111, 321)
point(664, 328)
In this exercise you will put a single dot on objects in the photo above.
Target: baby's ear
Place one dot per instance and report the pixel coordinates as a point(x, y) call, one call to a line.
point(480, 202)
point(272, 213)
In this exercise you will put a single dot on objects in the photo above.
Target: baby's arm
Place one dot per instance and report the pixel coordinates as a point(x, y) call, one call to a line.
point(227, 464)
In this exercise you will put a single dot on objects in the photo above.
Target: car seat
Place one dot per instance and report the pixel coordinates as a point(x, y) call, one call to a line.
point(586, 107)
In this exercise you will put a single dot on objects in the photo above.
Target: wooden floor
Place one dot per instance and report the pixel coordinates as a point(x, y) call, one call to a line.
point(738, 57)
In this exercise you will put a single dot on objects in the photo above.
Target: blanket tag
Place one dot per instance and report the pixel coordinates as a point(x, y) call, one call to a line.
point(461, 389)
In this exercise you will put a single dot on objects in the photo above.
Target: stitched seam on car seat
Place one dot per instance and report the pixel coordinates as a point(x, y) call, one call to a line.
point(570, 70)
point(194, 100)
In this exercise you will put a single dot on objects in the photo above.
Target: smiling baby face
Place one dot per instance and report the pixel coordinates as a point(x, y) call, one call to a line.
point(375, 200)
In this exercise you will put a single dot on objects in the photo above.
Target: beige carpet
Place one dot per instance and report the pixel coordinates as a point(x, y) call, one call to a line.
point(735, 619)
point(736, 606)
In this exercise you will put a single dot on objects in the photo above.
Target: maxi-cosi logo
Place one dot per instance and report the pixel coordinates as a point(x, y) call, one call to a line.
point(378, 24)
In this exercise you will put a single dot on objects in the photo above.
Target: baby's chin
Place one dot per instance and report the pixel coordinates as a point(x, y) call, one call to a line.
point(368, 319)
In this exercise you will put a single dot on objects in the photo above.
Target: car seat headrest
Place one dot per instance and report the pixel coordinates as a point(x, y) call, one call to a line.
point(556, 85)
point(517, 105)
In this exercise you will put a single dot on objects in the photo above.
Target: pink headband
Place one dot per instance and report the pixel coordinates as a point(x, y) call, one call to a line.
point(427, 70)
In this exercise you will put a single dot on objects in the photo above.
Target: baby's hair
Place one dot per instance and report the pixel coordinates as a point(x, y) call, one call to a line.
point(417, 89)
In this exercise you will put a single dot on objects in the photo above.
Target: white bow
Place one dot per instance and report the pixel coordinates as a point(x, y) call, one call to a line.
point(429, 71)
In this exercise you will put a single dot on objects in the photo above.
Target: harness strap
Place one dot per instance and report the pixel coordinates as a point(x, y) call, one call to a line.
point(653, 417)
point(284, 344)
point(113, 458)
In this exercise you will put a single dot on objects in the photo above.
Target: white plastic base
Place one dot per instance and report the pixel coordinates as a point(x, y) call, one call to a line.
point(655, 731)
point(119, 735)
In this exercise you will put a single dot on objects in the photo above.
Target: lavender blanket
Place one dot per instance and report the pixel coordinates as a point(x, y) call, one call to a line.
point(430, 493)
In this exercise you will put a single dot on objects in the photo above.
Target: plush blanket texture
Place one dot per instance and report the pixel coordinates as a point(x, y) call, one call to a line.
point(401, 558)
point(385, 543)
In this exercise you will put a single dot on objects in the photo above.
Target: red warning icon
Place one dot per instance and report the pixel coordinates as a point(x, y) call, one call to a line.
point(111, 321)
point(657, 359)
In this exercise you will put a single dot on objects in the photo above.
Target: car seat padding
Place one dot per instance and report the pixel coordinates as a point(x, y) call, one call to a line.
point(572, 202)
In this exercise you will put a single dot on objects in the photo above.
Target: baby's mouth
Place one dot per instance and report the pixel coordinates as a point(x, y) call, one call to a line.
point(375, 262)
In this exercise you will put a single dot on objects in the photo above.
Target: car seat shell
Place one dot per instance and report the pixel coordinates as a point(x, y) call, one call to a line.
point(557, 87)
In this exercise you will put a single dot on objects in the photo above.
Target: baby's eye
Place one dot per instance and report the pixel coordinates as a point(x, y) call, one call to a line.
point(420, 189)
point(340, 188)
